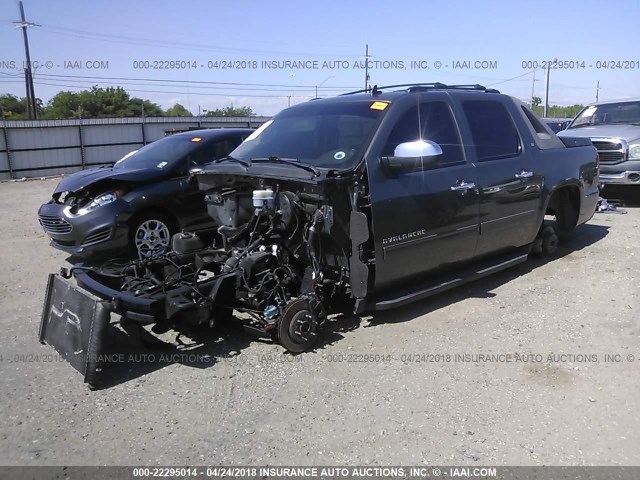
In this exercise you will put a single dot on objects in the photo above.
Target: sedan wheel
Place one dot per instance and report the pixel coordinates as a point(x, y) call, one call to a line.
point(152, 237)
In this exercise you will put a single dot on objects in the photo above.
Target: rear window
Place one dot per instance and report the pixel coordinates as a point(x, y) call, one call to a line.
point(492, 129)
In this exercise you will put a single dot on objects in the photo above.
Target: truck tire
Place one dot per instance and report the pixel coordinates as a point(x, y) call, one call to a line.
point(549, 242)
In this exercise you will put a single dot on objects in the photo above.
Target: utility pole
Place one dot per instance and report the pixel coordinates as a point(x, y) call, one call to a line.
point(597, 90)
point(366, 68)
point(546, 90)
point(31, 94)
point(533, 88)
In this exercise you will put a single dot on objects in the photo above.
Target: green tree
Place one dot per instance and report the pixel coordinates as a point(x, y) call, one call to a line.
point(231, 111)
point(557, 111)
point(14, 108)
point(64, 104)
point(139, 106)
point(536, 101)
point(178, 110)
point(99, 103)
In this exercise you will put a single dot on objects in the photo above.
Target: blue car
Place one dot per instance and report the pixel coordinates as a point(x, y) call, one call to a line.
point(137, 205)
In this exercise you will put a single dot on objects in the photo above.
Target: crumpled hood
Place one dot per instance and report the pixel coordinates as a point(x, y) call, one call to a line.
point(79, 180)
point(627, 132)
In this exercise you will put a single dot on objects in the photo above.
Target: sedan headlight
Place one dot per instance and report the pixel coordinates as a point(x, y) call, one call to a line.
point(634, 150)
point(101, 200)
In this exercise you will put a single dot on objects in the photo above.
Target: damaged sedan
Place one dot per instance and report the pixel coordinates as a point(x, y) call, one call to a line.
point(136, 206)
point(362, 202)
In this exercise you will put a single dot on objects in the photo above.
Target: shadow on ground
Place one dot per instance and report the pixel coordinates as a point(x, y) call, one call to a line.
point(202, 347)
point(622, 195)
point(132, 351)
point(584, 236)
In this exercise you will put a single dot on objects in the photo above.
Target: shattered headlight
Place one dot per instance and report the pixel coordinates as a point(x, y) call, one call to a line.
point(101, 200)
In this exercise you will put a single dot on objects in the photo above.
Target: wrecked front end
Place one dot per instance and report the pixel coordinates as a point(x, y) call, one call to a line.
point(279, 264)
point(293, 242)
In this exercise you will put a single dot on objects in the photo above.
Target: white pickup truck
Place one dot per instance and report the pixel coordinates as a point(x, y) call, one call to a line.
point(614, 129)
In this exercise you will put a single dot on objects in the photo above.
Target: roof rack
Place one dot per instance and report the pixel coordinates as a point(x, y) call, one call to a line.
point(421, 87)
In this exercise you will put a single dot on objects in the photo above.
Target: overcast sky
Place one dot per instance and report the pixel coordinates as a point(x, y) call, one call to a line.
point(475, 42)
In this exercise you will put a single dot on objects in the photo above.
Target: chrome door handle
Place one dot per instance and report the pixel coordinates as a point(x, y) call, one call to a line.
point(524, 174)
point(463, 186)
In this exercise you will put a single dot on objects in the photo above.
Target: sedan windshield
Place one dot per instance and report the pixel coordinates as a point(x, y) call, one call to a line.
point(609, 114)
point(327, 135)
point(163, 153)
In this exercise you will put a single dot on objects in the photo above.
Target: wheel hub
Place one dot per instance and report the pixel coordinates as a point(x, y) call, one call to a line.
point(152, 238)
point(303, 326)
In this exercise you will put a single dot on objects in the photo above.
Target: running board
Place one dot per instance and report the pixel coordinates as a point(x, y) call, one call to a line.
point(448, 281)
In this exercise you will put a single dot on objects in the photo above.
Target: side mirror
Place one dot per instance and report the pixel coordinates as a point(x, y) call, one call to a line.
point(412, 156)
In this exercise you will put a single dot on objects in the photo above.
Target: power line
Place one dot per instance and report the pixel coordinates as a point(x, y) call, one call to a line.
point(510, 79)
point(89, 84)
point(189, 82)
point(182, 92)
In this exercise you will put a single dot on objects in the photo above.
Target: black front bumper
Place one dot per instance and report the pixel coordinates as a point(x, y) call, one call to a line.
point(158, 307)
point(137, 308)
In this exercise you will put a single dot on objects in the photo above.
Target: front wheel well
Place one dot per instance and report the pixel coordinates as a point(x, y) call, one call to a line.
point(175, 225)
point(564, 205)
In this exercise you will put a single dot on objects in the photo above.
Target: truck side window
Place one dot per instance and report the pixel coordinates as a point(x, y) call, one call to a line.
point(492, 129)
point(428, 121)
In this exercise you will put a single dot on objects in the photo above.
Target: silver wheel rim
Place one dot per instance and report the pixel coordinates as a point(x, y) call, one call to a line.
point(152, 238)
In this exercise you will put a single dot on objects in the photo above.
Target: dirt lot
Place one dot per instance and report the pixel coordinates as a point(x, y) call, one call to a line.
point(244, 401)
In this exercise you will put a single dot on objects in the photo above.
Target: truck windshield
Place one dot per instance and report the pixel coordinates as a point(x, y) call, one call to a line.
point(623, 113)
point(326, 135)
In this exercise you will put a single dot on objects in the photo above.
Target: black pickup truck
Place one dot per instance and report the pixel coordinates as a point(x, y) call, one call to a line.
point(368, 200)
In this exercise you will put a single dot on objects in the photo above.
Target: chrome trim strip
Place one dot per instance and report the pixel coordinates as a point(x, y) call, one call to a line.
point(528, 212)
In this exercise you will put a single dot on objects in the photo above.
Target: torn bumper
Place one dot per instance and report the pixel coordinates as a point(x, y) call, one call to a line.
point(144, 310)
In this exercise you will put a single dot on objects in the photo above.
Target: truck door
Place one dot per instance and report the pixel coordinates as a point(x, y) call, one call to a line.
point(509, 186)
point(425, 219)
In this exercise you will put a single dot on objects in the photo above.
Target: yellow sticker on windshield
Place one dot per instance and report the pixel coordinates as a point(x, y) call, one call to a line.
point(379, 105)
point(196, 139)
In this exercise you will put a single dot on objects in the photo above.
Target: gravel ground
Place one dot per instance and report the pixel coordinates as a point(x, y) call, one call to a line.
point(235, 399)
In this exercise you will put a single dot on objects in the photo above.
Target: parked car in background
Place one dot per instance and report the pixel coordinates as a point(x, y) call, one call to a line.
point(139, 203)
point(614, 129)
point(557, 124)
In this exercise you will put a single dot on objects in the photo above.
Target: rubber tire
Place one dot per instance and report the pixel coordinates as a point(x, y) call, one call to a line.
point(221, 316)
point(550, 242)
point(145, 217)
point(283, 334)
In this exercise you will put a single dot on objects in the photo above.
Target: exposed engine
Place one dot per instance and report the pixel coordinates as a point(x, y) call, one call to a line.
point(278, 258)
